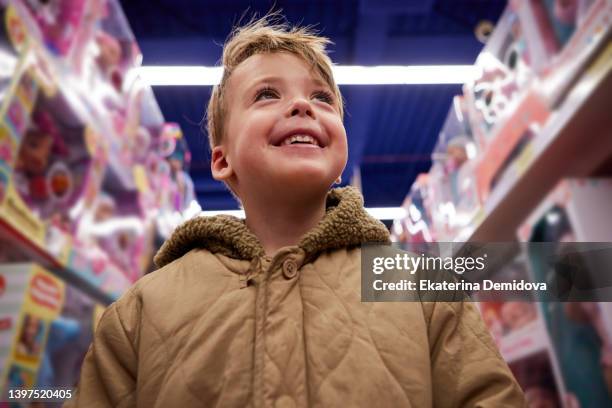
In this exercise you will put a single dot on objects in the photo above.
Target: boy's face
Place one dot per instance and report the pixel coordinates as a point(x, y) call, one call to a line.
point(284, 133)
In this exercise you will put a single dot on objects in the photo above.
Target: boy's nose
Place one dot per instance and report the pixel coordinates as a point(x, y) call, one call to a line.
point(301, 107)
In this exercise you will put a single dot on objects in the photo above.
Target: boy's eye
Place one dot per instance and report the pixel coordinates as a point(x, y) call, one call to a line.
point(324, 96)
point(266, 93)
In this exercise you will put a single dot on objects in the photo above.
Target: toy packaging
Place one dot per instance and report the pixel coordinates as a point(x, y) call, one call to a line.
point(46, 328)
point(505, 65)
point(504, 108)
point(577, 210)
point(550, 24)
point(30, 299)
point(10, 57)
point(519, 329)
point(59, 24)
point(178, 156)
point(509, 312)
point(511, 138)
point(452, 183)
point(83, 178)
point(70, 335)
point(171, 188)
point(563, 37)
point(118, 50)
point(414, 228)
point(114, 235)
point(52, 160)
point(83, 175)
point(536, 376)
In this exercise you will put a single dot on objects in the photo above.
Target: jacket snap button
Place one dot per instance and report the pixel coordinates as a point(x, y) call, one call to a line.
point(284, 401)
point(289, 269)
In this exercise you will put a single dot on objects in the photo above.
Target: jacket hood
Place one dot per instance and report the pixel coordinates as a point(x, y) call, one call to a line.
point(345, 224)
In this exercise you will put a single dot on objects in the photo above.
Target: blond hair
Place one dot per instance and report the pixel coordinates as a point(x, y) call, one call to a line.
point(267, 35)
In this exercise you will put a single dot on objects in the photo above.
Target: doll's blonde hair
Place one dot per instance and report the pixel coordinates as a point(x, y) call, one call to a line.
point(267, 35)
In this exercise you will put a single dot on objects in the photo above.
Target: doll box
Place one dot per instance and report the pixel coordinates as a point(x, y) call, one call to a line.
point(532, 110)
point(51, 160)
point(506, 73)
point(587, 203)
point(577, 210)
point(30, 298)
point(538, 376)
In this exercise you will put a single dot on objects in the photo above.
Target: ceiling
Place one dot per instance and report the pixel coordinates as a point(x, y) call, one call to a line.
point(392, 129)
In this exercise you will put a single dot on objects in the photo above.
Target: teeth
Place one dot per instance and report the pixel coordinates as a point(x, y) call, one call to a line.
point(300, 139)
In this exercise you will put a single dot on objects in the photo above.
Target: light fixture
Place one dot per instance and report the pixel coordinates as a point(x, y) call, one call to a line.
point(387, 213)
point(382, 213)
point(344, 75)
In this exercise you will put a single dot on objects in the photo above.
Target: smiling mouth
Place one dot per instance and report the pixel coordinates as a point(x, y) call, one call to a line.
point(300, 140)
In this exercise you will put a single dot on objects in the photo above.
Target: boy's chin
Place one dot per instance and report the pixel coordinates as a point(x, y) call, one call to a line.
point(303, 183)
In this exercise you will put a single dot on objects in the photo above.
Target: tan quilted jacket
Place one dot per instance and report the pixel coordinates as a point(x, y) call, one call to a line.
point(220, 324)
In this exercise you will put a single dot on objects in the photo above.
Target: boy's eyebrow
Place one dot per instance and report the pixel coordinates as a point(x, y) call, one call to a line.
point(267, 78)
point(278, 80)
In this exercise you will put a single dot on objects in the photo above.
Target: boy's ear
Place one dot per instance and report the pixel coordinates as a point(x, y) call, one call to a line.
point(219, 165)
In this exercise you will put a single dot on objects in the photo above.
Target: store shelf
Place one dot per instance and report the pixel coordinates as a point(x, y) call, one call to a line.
point(104, 118)
point(85, 99)
point(20, 246)
point(560, 150)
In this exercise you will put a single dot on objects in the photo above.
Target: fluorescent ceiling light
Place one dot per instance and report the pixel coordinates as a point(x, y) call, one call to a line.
point(235, 213)
point(387, 213)
point(405, 75)
point(382, 213)
point(179, 75)
point(345, 75)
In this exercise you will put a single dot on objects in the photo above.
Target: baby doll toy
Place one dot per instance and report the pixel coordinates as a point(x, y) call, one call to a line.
point(34, 180)
point(123, 245)
point(179, 161)
point(142, 144)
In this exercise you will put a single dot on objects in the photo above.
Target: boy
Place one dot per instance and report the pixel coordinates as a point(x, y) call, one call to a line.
point(266, 312)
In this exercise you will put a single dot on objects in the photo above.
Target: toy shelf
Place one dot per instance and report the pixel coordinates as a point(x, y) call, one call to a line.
point(111, 166)
point(22, 247)
point(88, 96)
point(561, 150)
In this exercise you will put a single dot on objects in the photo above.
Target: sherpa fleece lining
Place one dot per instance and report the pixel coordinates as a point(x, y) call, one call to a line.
point(345, 224)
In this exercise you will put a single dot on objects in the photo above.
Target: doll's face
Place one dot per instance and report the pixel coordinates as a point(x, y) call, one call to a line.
point(31, 328)
point(35, 152)
point(176, 165)
point(457, 155)
point(517, 314)
point(110, 51)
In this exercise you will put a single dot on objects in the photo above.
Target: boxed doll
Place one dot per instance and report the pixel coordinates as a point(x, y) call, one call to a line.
point(574, 219)
point(415, 226)
point(505, 65)
point(563, 37)
point(537, 376)
point(70, 335)
point(453, 195)
point(30, 299)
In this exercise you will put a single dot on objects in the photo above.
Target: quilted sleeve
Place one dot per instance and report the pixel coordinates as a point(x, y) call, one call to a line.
point(108, 373)
point(467, 369)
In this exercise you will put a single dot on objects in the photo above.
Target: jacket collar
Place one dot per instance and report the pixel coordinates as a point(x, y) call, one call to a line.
point(345, 224)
